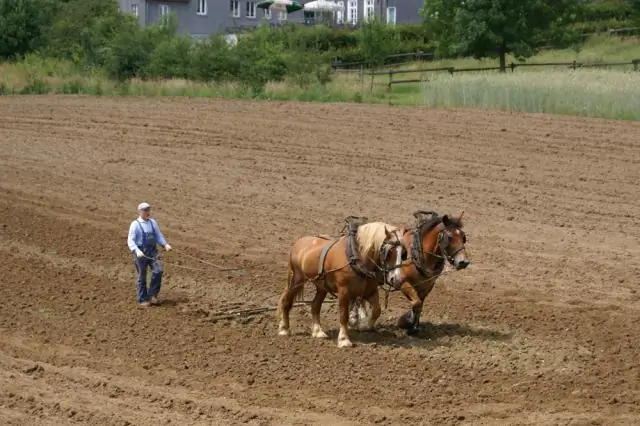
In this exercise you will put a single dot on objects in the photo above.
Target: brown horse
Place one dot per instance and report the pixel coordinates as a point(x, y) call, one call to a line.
point(352, 265)
point(433, 240)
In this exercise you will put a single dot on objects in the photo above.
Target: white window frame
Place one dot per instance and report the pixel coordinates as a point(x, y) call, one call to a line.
point(368, 10)
point(389, 10)
point(234, 7)
point(338, 14)
point(164, 9)
point(267, 13)
point(134, 10)
point(248, 12)
point(202, 8)
point(352, 11)
point(283, 15)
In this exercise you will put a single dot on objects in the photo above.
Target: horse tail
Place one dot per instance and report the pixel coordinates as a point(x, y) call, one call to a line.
point(292, 286)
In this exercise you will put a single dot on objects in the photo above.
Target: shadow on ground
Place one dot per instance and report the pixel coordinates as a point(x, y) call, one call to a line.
point(428, 335)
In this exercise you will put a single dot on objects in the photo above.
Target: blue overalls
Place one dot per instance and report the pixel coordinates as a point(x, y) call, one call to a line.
point(150, 250)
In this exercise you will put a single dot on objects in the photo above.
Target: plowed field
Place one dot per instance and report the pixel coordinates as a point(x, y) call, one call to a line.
point(542, 328)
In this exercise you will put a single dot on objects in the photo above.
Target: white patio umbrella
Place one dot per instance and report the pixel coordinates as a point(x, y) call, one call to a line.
point(323, 6)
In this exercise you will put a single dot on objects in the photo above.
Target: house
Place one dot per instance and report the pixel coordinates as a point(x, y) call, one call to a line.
point(200, 18)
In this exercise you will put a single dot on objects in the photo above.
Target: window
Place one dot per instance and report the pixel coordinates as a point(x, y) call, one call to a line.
point(251, 9)
point(338, 17)
point(234, 5)
point(368, 10)
point(134, 10)
point(164, 9)
point(282, 15)
point(352, 12)
point(267, 13)
point(338, 14)
point(202, 8)
point(391, 15)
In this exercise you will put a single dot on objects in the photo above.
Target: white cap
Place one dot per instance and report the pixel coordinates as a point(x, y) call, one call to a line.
point(143, 206)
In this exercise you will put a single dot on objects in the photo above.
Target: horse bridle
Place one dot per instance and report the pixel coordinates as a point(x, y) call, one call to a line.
point(443, 244)
point(385, 248)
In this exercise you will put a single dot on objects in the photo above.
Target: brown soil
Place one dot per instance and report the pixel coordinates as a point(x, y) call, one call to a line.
point(543, 328)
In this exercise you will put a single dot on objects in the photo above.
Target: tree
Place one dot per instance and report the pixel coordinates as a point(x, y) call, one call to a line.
point(82, 28)
point(23, 24)
point(377, 41)
point(490, 28)
point(635, 10)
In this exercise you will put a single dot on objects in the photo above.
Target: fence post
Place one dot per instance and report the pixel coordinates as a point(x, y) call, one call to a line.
point(390, 80)
point(635, 64)
point(513, 67)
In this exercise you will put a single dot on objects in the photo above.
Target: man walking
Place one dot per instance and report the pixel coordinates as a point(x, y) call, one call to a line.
point(144, 236)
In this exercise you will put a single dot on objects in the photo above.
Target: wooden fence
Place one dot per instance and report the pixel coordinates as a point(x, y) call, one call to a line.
point(452, 70)
point(401, 58)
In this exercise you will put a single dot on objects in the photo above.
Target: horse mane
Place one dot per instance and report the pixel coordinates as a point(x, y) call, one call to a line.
point(370, 237)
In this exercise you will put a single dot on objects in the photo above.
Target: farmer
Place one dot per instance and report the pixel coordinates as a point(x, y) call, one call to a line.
point(144, 235)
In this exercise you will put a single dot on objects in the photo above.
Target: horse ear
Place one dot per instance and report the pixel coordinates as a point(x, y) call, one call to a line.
point(445, 220)
point(460, 215)
point(386, 231)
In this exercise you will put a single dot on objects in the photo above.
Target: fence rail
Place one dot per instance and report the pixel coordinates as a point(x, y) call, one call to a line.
point(401, 58)
point(512, 66)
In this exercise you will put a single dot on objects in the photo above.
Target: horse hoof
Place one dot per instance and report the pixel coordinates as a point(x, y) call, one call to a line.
point(284, 333)
point(412, 331)
point(405, 322)
point(318, 333)
point(345, 344)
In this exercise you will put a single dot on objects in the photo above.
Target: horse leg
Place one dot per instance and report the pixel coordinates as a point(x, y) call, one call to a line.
point(376, 310)
point(410, 320)
point(316, 305)
point(294, 287)
point(343, 303)
point(422, 294)
point(357, 313)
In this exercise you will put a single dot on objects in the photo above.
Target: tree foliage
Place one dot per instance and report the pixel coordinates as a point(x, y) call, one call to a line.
point(23, 26)
point(490, 28)
point(376, 43)
point(88, 34)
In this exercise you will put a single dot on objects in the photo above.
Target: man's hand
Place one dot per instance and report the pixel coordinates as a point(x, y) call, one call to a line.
point(139, 253)
point(167, 247)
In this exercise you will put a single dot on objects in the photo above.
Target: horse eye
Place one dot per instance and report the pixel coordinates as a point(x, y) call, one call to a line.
point(404, 254)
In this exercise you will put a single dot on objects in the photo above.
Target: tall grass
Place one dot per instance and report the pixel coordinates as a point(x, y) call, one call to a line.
point(613, 93)
point(583, 92)
point(37, 75)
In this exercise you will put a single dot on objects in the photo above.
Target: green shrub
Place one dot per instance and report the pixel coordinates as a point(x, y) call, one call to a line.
point(171, 58)
point(212, 60)
point(619, 10)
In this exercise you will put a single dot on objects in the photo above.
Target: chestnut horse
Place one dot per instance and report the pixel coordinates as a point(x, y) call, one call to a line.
point(351, 265)
point(433, 240)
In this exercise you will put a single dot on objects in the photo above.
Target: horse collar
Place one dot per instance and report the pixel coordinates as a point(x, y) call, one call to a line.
point(417, 251)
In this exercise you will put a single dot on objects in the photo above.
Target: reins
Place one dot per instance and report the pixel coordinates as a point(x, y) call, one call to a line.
point(221, 268)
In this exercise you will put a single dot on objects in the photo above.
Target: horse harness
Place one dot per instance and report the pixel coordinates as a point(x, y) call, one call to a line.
point(350, 232)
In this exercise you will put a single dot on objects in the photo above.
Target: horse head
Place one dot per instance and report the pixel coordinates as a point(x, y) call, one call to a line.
point(382, 243)
point(438, 237)
point(452, 240)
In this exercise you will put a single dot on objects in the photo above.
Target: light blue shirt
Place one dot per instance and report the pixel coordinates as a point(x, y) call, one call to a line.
point(135, 233)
